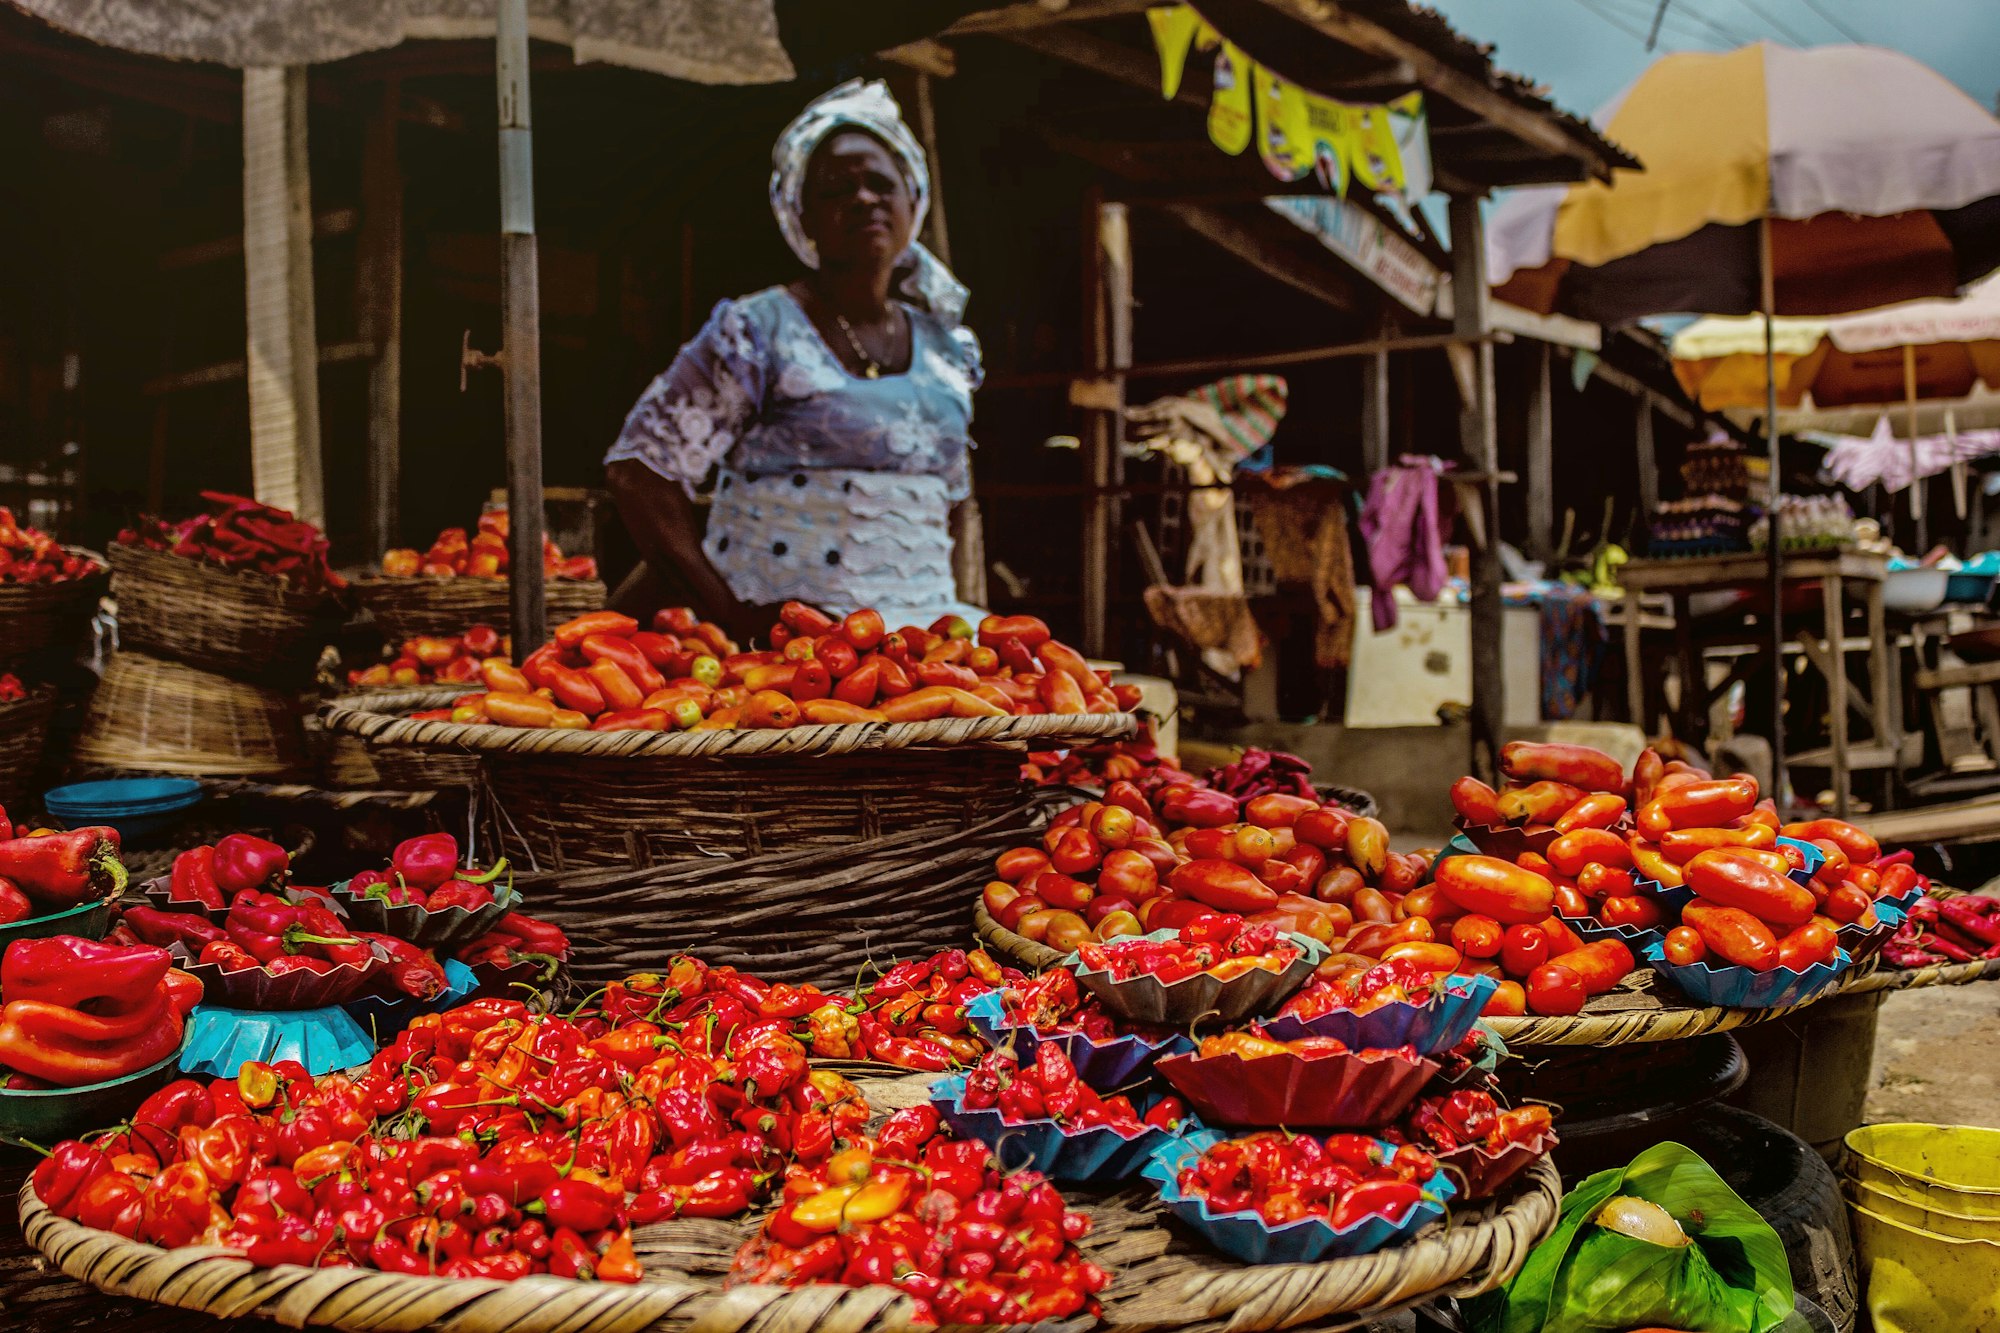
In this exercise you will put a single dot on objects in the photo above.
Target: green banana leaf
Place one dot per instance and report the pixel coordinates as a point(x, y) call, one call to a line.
point(1584, 1279)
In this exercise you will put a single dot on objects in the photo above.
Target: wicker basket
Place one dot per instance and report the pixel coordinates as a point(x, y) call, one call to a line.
point(241, 624)
point(24, 725)
point(561, 800)
point(154, 716)
point(418, 768)
point(35, 616)
point(812, 915)
point(405, 608)
point(1161, 1277)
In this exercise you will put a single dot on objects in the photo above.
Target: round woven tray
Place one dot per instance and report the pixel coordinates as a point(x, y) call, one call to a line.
point(405, 608)
point(1162, 1276)
point(239, 623)
point(1644, 1008)
point(34, 616)
point(817, 914)
point(149, 715)
point(24, 725)
point(565, 799)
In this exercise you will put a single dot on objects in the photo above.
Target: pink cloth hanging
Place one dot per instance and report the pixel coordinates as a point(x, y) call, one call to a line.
point(1404, 523)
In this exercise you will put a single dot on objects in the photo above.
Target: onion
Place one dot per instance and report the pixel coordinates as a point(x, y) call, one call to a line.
point(1644, 1220)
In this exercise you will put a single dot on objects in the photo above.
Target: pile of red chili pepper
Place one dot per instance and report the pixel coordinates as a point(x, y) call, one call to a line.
point(425, 871)
point(1051, 1004)
point(1940, 931)
point(45, 872)
point(1221, 946)
point(1282, 1177)
point(29, 555)
point(604, 673)
point(1395, 981)
point(239, 533)
point(489, 1141)
point(431, 659)
point(11, 688)
point(79, 1012)
point(1049, 1089)
point(209, 876)
point(1446, 1121)
point(483, 555)
point(1256, 1044)
point(934, 1217)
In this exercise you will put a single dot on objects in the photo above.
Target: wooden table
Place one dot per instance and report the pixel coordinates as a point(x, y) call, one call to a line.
point(1682, 579)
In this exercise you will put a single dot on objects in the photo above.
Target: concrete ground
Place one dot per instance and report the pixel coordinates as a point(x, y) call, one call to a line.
point(1937, 1057)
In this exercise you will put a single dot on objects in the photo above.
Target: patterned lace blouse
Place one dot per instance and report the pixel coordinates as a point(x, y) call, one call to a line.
point(758, 391)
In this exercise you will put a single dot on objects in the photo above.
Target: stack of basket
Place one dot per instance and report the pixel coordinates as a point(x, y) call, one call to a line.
point(42, 626)
point(209, 669)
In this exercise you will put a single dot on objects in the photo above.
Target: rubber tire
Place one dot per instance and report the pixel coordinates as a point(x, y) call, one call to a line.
point(1793, 1189)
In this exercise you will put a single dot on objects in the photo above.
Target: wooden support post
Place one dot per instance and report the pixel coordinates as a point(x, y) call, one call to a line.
point(936, 234)
point(1375, 412)
point(521, 327)
point(280, 349)
point(1108, 315)
point(1648, 461)
point(379, 300)
point(1479, 446)
point(1541, 459)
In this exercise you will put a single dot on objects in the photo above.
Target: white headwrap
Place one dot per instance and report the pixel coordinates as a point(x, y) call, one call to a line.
point(921, 277)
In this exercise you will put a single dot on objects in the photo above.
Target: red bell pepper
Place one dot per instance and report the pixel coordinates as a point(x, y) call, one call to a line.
point(167, 928)
point(63, 1175)
point(427, 861)
point(66, 970)
point(63, 870)
point(29, 1044)
point(243, 861)
point(14, 904)
point(193, 879)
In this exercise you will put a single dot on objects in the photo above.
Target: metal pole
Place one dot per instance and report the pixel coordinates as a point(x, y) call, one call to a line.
point(521, 335)
point(1769, 301)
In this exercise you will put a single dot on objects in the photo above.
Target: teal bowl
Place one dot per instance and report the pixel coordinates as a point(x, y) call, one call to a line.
point(91, 921)
point(136, 807)
point(46, 1116)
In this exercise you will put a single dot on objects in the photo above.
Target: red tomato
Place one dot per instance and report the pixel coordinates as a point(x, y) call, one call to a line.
point(1478, 936)
point(1523, 949)
point(1555, 989)
point(1684, 946)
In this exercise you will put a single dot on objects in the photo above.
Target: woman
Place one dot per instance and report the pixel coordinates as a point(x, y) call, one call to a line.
point(835, 410)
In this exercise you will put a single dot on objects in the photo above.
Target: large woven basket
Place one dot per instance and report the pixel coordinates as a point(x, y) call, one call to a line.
point(816, 915)
point(404, 608)
point(567, 799)
point(24, 725)
point(35, 616)
point(1162, 1277)
point(238, 623)
point(154, 716)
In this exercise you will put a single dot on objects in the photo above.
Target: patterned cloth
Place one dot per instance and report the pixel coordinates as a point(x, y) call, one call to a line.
point(759, 391)
point(1573, 637)
point(921, 278)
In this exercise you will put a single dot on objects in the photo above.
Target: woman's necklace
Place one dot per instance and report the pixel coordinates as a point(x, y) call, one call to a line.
point(869, 365)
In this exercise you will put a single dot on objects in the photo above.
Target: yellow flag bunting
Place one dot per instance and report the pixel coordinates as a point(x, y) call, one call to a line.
point(1381, 147)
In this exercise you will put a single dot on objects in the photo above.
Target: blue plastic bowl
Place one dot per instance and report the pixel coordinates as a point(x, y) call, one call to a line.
point(135, 807)
point(1099, 1153)
point(1735, 987)
point(1105, 1066)
point(1437, 1024)
point(1249, 1237)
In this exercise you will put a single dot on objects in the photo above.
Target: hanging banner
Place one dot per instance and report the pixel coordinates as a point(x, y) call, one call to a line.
point(1383, 148)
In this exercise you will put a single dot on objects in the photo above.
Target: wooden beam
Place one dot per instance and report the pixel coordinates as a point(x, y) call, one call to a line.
point(1968, 821)
point(328, 222)
point(1479, 446)
point(938, 233)
point(1108, 325)
point(926, 56)
point(1541, 457)
point(1375, 412)
point(1237, 362)
point(281, 360)
point(1618, 379)
point(228, 372)
point(1642, 452)
point(1113, 60)
point(379, 306)
point(1447, 81)
point(1028, 17)
point(1285, 264)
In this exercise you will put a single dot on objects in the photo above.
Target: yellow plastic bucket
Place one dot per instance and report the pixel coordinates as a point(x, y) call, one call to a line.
point(1957, 1226)
point(1951, 1168)
point(1920, 1282)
